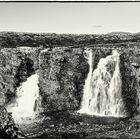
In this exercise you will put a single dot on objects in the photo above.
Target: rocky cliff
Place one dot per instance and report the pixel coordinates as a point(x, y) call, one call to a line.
point(63, 70)
point(15, 66)
point(62, 75)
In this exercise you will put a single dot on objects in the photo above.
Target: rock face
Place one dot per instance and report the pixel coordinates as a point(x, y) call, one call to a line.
point(130, 86)
point(15, 66)
point(8, 68)
point(62, 74)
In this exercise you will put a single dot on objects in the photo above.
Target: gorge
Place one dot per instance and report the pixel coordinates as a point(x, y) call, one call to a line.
point(88, 83)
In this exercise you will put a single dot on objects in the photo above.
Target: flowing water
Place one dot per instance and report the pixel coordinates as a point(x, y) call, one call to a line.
point(102, 90)
point(102, 97)
point(24, 104)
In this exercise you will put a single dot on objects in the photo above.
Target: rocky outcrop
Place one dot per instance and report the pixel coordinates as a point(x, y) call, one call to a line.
point(129, 83)
point(62, 75)
point(15, 66)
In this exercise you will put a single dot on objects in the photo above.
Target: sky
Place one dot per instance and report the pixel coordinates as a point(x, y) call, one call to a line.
point(78, 18)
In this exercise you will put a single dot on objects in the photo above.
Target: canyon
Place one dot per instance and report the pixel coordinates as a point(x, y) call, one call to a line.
point(62, 70)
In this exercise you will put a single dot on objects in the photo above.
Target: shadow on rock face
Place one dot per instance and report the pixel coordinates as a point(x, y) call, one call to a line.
point(25, 70)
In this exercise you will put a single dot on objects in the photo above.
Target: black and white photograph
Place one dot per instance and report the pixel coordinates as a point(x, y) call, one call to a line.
point(69, 70)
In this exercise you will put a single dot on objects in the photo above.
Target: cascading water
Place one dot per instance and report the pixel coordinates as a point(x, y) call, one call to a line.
point(27, 94)
point(102, 90)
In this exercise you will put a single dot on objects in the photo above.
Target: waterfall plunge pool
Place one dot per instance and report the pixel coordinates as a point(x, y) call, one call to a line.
point(71, 124)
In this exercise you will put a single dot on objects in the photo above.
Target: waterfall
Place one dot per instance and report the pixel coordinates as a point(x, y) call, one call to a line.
point(102, 89)
point(27, 94)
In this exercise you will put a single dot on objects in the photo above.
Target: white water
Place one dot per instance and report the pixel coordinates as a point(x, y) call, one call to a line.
point(27, 94)
point(102, 90)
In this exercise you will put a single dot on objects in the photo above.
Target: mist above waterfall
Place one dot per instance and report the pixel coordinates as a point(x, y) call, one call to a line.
point(27, 93)
point(102, 90)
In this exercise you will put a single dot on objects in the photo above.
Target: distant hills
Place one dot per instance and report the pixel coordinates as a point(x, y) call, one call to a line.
point(120, 33)
point(15, 39)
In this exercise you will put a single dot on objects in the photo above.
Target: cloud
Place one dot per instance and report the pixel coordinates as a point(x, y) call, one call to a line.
point(97, 26)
